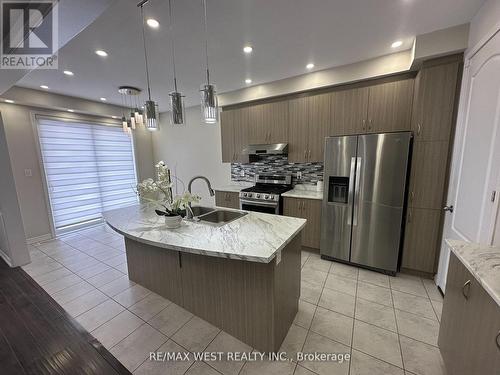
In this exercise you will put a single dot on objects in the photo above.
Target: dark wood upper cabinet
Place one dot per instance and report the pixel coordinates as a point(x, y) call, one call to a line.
point(227, 123)
point(349, 110)
point(435, 94)
point(268, 123)
point(309, 124)
point(389, 107)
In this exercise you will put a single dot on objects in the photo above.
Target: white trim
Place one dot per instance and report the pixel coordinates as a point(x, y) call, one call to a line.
point(37, 239)
point(485, 39)
point(5, 258)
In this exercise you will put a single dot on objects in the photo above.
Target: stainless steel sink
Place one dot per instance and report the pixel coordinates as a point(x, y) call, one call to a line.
point(200, 210)
point(221, 217)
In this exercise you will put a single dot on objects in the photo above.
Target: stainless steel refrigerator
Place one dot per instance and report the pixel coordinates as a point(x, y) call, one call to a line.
point(365, 181)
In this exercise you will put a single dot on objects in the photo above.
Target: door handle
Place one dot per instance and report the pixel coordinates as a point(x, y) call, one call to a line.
point(309, 155)
point(448, 208)
point(305, 154)
point(466, 285)
point(356, 192)
point(370, 122)
point(363, 127)
point(350, 191)
point(419, 128)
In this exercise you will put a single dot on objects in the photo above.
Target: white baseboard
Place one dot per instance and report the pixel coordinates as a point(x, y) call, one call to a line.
point(32, 240)
point(6, 258)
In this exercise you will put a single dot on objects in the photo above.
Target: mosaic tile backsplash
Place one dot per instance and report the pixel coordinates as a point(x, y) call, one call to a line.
point(311, 172)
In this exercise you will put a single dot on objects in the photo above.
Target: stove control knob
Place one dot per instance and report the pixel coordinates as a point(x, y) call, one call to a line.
point(258, 195)
point(244, 194)
point(267, 196)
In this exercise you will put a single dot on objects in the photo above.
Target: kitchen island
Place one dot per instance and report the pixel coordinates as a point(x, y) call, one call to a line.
point(243, 277)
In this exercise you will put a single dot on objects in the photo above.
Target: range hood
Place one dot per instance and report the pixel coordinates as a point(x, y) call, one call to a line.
point(266, 149)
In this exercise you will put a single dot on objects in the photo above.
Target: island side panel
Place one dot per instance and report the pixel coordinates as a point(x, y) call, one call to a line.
point(234, 295)
point(287, 276)
point(155, 268)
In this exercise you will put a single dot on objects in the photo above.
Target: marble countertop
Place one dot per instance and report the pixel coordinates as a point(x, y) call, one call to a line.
point(483, 262)
point(234, 187)
point(304, 191)
point(254, 237)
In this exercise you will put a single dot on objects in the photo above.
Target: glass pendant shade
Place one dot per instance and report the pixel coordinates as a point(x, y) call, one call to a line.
point(124, 124)
point(151, 113)
point(138, 116)
point(209, 104)
point(176, 108)
point(132, 121)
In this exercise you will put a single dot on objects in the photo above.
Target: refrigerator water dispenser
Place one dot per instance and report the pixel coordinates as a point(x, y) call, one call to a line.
point(338, 189)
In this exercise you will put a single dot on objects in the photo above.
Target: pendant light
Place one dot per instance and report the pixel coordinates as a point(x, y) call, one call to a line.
point(209, 102)
point(151, 108)
point(176, 101)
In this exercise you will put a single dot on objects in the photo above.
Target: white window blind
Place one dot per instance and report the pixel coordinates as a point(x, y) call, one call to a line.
point(89, 169)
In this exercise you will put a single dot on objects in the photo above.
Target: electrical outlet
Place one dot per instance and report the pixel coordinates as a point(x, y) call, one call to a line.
point(28, 173)
point(299, 175)
point(242, 174)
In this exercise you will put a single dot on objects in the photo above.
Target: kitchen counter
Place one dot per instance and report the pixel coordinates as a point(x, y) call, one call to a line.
point(243, 277)
point(234, 187)
point(304, 192)
point(254, 237)
point(483, 262)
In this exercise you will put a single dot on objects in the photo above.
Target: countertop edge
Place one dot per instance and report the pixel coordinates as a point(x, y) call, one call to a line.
point(454, 245)
point(209, 253)
point(294, 194)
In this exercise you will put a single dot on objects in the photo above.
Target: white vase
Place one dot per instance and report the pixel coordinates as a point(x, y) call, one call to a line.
point(173, 222)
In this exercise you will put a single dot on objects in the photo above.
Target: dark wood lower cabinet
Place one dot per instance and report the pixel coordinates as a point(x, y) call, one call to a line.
point(254, 302)
point(470, 325)
point(229, 199)
point(309, 209)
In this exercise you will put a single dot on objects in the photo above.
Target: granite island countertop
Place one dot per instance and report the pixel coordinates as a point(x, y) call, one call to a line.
point(255, 237)
point(483, 262)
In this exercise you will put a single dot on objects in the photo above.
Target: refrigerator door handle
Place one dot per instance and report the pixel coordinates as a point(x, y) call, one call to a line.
point(356, 192)
point(350, 192)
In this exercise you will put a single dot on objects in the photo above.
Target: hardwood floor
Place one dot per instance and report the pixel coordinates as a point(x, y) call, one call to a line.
point(38, 337)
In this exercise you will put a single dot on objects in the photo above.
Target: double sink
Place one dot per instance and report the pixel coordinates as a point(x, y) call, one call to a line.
point(215, 216)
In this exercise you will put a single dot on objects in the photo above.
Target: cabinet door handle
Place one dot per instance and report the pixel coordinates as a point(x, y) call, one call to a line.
point(466, 285)
point(309, 155)
point(364, 124)
point(419, 128)
point(412, 196)
point(497, 340)
point(370, 124)
point(305, 154)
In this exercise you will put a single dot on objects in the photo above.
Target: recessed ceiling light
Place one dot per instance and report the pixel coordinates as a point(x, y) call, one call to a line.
point(310, 66)
point(103, 99)
point(153, 23)
point(101, 53)
point(397, 44)
point(247, 49)
point(248, 81)
point(8, 101)
point(71, 110)
point(69, 73)
point(45, 87)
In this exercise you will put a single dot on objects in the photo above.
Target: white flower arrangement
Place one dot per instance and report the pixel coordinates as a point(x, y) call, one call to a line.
point(162, 187)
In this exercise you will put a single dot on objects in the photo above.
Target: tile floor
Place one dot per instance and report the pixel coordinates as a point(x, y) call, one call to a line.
point(388, 325)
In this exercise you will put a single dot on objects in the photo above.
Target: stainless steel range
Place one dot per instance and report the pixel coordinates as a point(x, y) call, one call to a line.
point(265, 196)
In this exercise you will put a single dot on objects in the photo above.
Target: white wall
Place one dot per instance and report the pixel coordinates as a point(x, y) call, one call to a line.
point(191, 150)
point(12, 240)
point(486, 19)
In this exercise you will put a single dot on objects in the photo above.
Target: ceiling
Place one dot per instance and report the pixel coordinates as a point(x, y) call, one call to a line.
point(285, 35)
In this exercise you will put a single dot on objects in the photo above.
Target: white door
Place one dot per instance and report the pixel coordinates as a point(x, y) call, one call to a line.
point(476, 155)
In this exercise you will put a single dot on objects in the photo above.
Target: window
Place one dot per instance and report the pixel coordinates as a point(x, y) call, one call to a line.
point(89, 169)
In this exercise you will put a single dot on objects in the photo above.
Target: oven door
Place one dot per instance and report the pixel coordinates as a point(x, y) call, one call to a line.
point(260, 206)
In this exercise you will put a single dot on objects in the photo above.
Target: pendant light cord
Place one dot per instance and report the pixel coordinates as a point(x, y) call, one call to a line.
point(206, 38)
point(145, 52)
point(171, 28)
